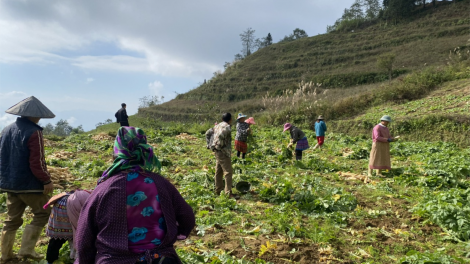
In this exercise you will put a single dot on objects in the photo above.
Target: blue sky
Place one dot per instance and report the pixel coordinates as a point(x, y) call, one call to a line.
point(84, 58)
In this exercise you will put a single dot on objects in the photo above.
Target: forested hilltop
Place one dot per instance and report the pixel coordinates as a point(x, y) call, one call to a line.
point(416, 36)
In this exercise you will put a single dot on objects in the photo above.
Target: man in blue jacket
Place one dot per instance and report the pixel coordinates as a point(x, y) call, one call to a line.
point(320, 129)
point(24, 177)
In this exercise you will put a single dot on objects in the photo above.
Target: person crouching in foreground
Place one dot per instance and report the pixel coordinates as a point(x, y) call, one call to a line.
point(320, 129)
point(243, 130)
point(298, 137)
point(380, 153)
point(134, 215)
point(222, 147)
point(24, 177)
point(63, 222)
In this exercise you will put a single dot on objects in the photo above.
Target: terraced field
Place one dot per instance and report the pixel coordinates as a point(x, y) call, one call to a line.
point(314, 211)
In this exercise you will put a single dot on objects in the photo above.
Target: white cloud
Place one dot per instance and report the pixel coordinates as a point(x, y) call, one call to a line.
point(12, 94)
point(6, 119)
point(89, 80)
point(193, 40)
point(71, 120)
point(26, 42)
point(69, 103)
point(9, 99)
point(156, 88)
point(112, 63)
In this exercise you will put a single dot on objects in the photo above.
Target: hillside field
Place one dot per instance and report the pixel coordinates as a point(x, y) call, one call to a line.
point(315, 211)
point(338, 61)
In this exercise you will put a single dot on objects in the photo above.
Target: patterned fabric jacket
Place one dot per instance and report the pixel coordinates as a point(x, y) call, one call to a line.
point(22, 163)
point(242, 132)
point(222, 139)
point(209, 137)
point(296, 134)
point(102, 234)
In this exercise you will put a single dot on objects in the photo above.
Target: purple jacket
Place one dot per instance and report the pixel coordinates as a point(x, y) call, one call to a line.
point(102, 228)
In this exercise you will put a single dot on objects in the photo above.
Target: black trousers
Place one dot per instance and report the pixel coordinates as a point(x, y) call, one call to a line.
point(243, 155)
point(53, 249)
point(124, 123)
point(298, 154)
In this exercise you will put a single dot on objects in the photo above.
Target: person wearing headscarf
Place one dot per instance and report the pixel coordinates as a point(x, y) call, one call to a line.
point(63, 221)
point(320, 129)
point(24, 177)
point(297, 137)
point(243, 130)
point(380, 153)
point(134, 215)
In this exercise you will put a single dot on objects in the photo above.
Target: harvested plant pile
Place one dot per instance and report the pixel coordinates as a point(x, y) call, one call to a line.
point(61, 155)
point(49, 143)
point(60, 176)
point(186, 136)
point(102, 136)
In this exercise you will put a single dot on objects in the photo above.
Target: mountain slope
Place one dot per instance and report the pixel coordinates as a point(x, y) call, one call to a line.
point(337, 60)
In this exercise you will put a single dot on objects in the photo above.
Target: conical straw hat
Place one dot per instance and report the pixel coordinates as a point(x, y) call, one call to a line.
point(31, 107)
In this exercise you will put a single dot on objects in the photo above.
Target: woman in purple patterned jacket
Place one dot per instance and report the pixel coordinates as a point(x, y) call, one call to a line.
point(133, 215)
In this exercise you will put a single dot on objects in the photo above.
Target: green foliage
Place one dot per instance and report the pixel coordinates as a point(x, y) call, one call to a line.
point(312, 197)
point(3, 202)
point(300, 205)
point(415, 257)
point(62, 129)
point(385, 62)
point(448, 209)
point(296, 34)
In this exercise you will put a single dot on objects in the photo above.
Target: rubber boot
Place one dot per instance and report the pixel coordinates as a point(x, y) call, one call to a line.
point(8, 239)
point(28, 243)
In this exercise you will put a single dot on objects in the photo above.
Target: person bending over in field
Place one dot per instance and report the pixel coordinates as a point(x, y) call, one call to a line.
point(320, 128)
point(297, 137)
point(222, 147)
point(380, 153)
point(63, 221)
point(243, 130)
point(134, 215)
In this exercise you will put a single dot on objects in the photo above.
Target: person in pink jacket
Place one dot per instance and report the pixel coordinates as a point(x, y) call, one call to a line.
point(380, 153)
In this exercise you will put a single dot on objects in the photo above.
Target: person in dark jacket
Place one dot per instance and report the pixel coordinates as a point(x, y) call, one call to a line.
point(121, 116)
point(24, 177)
point(134, 215)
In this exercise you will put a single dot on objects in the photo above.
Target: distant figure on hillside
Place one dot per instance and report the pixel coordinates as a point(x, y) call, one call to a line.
point(134, 215)
point(243, 130)
point(121, 116)
point(298, 137)
point(222, 147)
point(380, 153)
point(24, 178)
point(320, 128)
